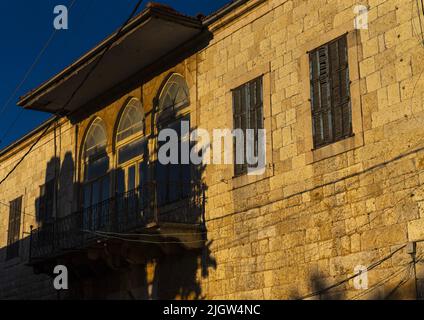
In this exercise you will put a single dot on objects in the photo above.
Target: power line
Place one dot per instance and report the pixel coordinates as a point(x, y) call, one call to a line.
point(141, 241)
point(26, 153)
point(149, 234)
point(355, 230)
point(57, 113)
point(372, 266)
point(26, 76)
point(372, 168)
point(389, 62)
point(407, 268)
point(304, 191)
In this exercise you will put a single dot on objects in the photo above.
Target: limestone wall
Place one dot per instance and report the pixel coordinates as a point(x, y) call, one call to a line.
point(314, 215)
point(320, 213)
point(53, 155)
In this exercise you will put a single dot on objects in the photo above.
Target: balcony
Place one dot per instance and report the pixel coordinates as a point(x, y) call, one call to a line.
point(147, 211)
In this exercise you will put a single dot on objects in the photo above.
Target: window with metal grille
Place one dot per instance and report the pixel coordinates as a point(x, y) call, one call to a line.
point(46, 201)
point(14, 228)
point(330, 93)
point(248, 114)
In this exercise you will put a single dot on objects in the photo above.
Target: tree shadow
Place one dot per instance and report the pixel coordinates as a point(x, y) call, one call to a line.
point(167, 261)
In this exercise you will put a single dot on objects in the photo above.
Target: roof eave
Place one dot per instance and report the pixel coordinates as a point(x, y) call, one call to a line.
point(27, 101)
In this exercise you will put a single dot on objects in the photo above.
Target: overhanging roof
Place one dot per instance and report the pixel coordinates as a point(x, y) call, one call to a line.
point(154, 33)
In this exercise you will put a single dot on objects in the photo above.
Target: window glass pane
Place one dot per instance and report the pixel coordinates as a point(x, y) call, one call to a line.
point(174, 180)
point(87, 195)
point(96, 139)
point(131, 178)
point(144, 193)
point(131, 151)
point(120, 181)
point(175, 94)
point(97, 168)
point(96, 193)
point(162, 182)
point(186, 179)
point(105, 188)
point(143, 172)
point(131, 122)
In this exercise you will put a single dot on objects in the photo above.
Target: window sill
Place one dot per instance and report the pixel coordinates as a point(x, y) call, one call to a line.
point(334, 149)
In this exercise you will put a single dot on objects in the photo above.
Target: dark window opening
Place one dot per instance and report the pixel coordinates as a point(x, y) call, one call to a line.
point(330, 93)
point(14, 229)
point(247, 114)
point(174, 180)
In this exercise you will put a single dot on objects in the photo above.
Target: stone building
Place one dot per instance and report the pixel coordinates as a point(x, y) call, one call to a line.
point(342, 107)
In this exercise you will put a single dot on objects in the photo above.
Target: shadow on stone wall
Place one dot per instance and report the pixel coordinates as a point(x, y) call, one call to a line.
point(120, 268)
point(386, 288)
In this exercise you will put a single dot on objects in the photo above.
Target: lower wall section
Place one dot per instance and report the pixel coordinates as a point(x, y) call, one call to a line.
point(288, 248)
point(19, 282)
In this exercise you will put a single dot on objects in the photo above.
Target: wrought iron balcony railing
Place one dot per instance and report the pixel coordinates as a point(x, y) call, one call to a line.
point(151, 204)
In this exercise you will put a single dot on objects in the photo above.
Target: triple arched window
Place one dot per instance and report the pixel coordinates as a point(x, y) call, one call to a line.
point(130, 172)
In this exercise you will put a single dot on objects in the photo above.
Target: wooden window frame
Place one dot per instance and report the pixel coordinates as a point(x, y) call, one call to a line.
point(263, 71)
point(329, 74)
point(255, 109)
point(304, 114)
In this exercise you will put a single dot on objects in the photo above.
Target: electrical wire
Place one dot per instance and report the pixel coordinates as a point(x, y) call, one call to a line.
point(26, 153)
point(21, 111)
point(89, 73)
point(369, 268)
point(26, 76)
point(305, 191)
point(149, 234)
point(141, 241)
point(408, 267)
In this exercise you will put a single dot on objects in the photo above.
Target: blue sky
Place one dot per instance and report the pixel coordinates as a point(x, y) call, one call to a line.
point(25, 27)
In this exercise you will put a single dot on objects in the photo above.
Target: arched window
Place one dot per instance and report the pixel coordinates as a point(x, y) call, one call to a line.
point(96, 188)
point(174, 97)
point(131, 146)
point(131, 122)
point(173, 180)
point(131, 171)
point(95, 159)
